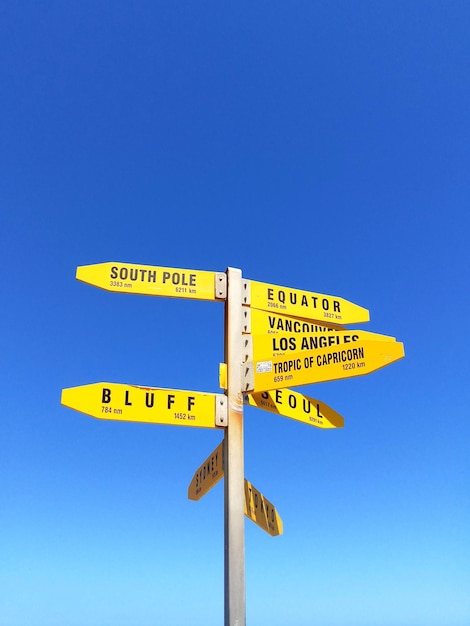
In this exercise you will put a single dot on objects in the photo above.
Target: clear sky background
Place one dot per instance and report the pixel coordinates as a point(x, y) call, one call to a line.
point(320, 145)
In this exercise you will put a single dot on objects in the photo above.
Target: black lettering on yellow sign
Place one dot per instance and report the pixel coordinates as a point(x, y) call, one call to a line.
point(310, 342)
point(338, 356)
point(210, 469)
point(180, 278)
point(260, 510)
point(291, 297)
point(149, 399)
point(287, 366)
point(260, 502)
point(292, 325)
point(134, 274)
point(279, 397)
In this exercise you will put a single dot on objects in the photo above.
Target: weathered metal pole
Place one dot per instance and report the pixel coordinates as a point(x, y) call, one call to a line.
point(234, 496)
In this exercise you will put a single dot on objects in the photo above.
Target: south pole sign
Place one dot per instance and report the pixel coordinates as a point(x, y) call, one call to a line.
point(276, 338)
point(150, 280)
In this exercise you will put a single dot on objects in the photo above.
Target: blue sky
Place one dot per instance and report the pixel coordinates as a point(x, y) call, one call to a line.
point(318, 145)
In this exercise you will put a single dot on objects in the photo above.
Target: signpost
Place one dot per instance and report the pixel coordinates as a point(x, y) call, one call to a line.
point(275, 338)
point(234, 496)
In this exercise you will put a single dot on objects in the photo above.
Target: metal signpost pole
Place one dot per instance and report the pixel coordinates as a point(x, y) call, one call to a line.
point(234, 495)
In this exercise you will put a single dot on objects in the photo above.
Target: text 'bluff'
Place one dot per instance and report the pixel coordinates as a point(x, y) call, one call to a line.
point(149, 399)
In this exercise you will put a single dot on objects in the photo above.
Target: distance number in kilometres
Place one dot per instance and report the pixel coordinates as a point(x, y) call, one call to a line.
point(184, 416)
point(351, 366)
point(109, 410)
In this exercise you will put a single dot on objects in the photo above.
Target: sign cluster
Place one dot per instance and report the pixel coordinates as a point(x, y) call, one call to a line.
point(293, 338)
point(290, 338)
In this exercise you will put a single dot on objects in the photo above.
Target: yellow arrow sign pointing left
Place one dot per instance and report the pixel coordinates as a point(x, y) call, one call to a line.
point(129, 403)
point(150, 280)
point(208, 474)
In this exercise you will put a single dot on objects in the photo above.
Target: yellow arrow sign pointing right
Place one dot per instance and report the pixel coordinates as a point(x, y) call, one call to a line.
point(260, 510)
point(318, 366)
point(304, 304)
point(296, 406)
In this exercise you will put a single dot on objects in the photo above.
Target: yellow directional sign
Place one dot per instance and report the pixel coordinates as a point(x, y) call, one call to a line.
point(304, 304)
point(261, 322)
point(262, 347)
point(129, 403)
point(332, 363)
point(296, 406)
point(257, 507)
point(208, 475)
point(150, 280)
point(261, 511)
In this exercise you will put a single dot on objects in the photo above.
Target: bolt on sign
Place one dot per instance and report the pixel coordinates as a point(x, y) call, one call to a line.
point(130, 403)
point(304, 304)
point(294, 405)
point(149, 280)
